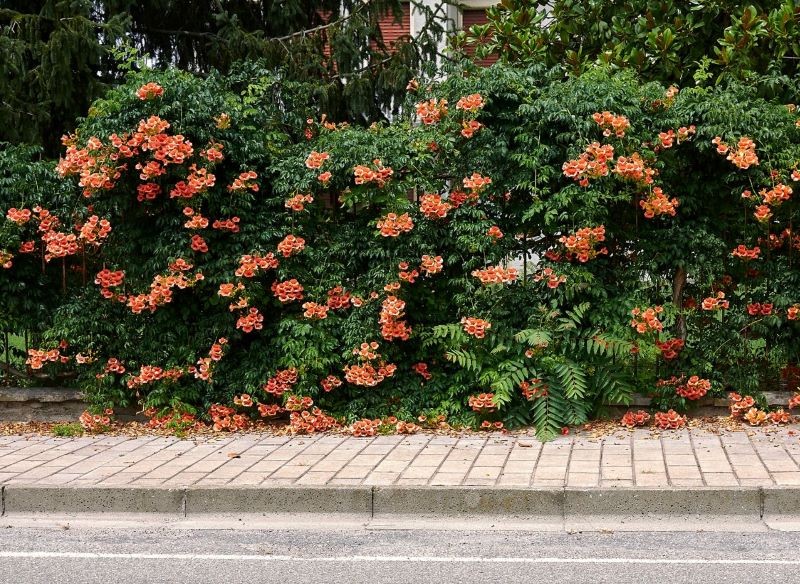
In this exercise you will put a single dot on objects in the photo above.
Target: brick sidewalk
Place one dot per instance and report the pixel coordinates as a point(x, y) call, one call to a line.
point(696, 458)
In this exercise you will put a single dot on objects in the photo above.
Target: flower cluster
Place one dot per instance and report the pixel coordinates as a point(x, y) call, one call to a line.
point(108, 279)
point(59, 245)
point(548, 276)
point(431, 264)
point(534, 389)
point(658, 204)
point(717, 302)
point(226, 419)
point(149, 91)
point(338, 298)
point(758, 309)
point(287, 291)
point(291, 245)
point(762, 213)
point(694, 388)
point(421, 369)
point(433, 207)
point(213, 153)
point(365, 427)
point(94, 230)
point(496, 275)
point(392, 224)
point(198, 244)
point(251, 321)
point(755, 417)
point(470, 103)
point(667, 139)
point(742, 156)
point(281, 382)
point(482, 403)
point(738, 404)
point(646, 320)
point(330, 383)
point(488, 426)
point(161, 291)
point(635, 419)
point(780, 417)
point(298, 202)
point(611, 123)
point(245, 400)
point(269, 410)
point(743, 253)
point(316, 159)
point(392, 325)
point(476, 182)
point(314, 310)
point(494, 232)
point(367, 375)
point(405, 275)
point(296, 403)
point(245, 181)
point(114, 366)
point(432, 110)
point(670, 348)
point(308, 422)
point(634, 168)
point(670, 420)
point(402, 427)
point(776, 195)
point(151, 373)
point(582, 244)
point(37, 358)
point(96, 422)
point(231, 224)
point(475, 327)
point(469, 128)
point(591, 164)
point(249, 265)
point(380, 175)
point(196, 220)
point(18, 216)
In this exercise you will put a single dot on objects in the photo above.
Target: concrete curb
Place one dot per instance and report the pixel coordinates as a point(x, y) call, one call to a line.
point(682, 502)
point(468, 501)
point(355, 500)
point(79, 500)
point(560, 504)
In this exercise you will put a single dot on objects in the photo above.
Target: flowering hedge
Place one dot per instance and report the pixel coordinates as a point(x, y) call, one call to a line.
point(516, 249)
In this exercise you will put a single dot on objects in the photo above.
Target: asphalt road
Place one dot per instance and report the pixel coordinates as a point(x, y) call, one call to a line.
point(64, 553)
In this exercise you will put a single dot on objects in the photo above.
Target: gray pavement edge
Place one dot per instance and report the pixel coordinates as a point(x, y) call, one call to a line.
point(370, 502)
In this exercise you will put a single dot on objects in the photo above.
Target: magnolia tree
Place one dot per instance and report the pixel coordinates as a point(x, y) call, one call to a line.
point(517, 249)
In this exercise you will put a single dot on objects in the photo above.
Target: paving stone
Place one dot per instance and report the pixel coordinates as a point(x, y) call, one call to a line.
point(692, 457)
point(720, 479)
point(583, 479)
point(751, 472)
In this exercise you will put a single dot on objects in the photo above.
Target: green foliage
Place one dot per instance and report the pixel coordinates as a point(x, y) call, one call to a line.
point(61, 55)
point(68, 430)
point(685, 43)
point(552, 344)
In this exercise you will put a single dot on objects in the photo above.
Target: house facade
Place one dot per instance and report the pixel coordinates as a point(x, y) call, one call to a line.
point(454, 17)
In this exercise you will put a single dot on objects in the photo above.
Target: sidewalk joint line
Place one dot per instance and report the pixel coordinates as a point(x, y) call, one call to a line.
point(372, 502)
point(696, 460)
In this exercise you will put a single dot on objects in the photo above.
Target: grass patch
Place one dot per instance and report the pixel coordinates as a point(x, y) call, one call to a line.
point(67, 430)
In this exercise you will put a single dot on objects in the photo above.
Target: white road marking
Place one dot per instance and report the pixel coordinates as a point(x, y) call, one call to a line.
point(402, 559)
